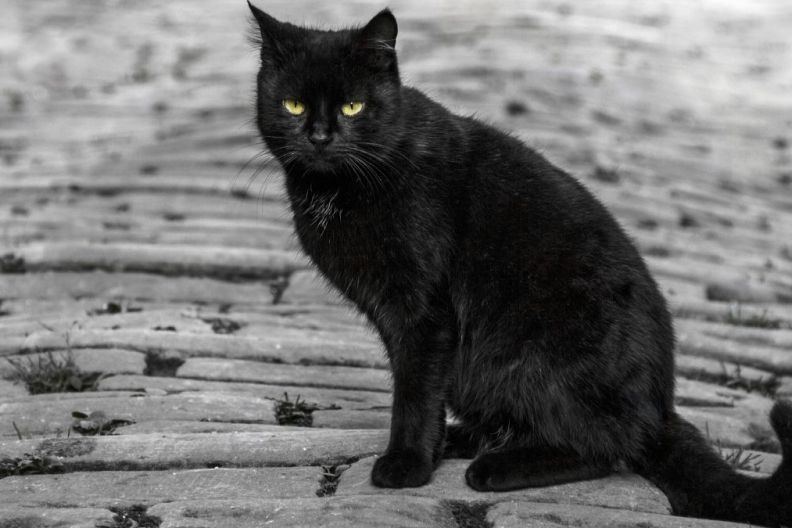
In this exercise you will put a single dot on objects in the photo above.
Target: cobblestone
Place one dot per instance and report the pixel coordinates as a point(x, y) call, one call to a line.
point(148, 240)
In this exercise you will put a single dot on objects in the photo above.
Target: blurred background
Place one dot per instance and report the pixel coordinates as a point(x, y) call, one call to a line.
point(147, 256)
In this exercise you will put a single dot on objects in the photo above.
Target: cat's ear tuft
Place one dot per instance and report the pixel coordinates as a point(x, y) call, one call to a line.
point(274, 37)
point(381, 30)
point(266, 23)
point(376, 42)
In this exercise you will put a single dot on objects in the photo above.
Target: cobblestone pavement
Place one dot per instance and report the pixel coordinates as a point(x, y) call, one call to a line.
point(140, 234)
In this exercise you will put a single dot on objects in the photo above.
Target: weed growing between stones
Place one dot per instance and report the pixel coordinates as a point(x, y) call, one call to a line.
point(29, 464)
point(735, 317)
point(66, 447)
point(764, 386)
point(741, 460)
point(606, 175)
point(222, 325)
point(10, 263)
point(469, 514)
point(331, 476)
point(52, 372)
point(134, 516)
point(162, 364)
point(96, 423)
point(515, 108)
point(278, 288)
point(113, 307)
point(295, 412)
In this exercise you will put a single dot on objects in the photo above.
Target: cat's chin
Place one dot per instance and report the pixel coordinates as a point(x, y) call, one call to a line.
point(322, 165)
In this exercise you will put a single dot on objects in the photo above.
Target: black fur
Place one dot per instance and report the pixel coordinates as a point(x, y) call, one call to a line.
point(500, 287)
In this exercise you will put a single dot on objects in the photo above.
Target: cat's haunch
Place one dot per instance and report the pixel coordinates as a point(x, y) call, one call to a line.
point(501, 288)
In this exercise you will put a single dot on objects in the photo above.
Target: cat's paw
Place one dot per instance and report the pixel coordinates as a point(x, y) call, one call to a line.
point(483, 474)
point(401, 469)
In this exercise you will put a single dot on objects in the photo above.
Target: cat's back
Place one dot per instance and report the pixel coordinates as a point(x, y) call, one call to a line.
point(527, 220)
point(507, 200)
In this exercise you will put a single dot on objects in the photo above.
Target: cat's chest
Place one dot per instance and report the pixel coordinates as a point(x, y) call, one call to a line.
point(358, 251)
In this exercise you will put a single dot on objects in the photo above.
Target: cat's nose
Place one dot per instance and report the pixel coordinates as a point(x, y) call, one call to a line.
point(320, 139)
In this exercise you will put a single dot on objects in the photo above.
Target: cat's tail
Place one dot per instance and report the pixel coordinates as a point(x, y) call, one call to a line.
point(699, 483)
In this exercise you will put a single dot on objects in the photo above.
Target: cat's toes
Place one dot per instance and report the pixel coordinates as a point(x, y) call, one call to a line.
point(401, 469)
point(485, 473)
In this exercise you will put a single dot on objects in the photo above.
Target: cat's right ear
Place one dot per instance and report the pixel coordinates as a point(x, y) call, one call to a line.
point(273, 36)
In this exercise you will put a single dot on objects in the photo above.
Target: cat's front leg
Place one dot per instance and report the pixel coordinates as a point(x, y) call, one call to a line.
point(420, 359)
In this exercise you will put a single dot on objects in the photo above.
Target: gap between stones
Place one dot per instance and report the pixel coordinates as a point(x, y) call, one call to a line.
point(465, 514)
point(135, 515)
point(330, 478)
point(289, 384)
point(305, 362)
point(162, 365)
point(469, 514)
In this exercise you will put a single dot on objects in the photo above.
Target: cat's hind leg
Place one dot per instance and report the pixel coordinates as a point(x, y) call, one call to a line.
point(519, 467)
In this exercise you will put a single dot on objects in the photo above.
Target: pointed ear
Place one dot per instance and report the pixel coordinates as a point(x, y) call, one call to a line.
point(273, 35)
point(376, 42)
point(381, 29)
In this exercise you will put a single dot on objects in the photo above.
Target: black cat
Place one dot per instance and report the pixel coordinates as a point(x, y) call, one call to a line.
point(500, 287)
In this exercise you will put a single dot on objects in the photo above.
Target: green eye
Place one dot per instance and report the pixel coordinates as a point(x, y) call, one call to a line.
point(293, 106)
point(352, 108)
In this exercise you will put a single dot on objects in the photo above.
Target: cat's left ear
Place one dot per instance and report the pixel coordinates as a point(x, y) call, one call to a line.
point(381, 29)
point(378, 38)
point(274, 36)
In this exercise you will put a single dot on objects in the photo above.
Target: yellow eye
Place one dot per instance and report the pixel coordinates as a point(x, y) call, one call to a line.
point(293, 106)
point(350, 109)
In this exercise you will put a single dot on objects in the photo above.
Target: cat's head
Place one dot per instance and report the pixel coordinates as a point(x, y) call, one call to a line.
point(328, 99)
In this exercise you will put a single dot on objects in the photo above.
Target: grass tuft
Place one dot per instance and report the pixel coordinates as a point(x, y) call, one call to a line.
point(50, 372)
point(134, 516)
point(29, 464)
point(113, 307)
point(331, 475)
point(10, 263)
point(740, 460)
point(296, 412)
point(469, 514)
point(762, 320)
point(96, 423)
point(222, 325)
point(278, 288)
point(162, 364)
point(764, 386)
